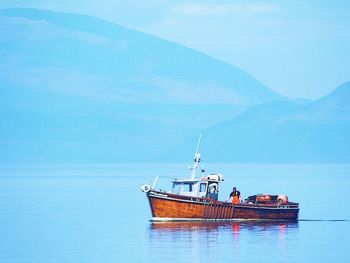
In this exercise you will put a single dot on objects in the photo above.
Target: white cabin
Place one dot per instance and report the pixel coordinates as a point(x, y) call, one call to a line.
point(207, 186)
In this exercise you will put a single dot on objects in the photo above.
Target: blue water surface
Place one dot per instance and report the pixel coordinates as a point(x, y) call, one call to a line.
point(97, 213)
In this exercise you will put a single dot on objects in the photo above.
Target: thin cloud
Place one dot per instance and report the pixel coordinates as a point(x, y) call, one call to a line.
point(224, 9)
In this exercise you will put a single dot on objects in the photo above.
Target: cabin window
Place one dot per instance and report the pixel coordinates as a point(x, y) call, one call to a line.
point(202, 187)
point(188, 187)
point(176, 188)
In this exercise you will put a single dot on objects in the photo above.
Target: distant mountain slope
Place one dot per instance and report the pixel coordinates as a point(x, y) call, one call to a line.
point(282, 132)
point(100, 58)
point(333, 107)
point(77, 88)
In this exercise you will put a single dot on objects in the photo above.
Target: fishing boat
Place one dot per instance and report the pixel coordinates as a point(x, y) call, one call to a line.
point(196, 199)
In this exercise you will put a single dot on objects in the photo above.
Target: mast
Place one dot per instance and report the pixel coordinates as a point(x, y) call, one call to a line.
point(197, 158)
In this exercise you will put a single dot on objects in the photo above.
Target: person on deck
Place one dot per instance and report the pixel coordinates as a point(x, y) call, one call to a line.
point(235, 194)
point(213, 192)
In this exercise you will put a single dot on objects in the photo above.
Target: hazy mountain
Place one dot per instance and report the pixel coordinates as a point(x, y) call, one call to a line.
point(281, 132)
point(87, 56)
point(77, 88)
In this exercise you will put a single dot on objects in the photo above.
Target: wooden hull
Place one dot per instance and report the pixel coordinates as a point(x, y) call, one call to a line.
point(171, 207)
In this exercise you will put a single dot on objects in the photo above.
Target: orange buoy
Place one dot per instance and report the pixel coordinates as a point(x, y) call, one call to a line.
point(282, 199)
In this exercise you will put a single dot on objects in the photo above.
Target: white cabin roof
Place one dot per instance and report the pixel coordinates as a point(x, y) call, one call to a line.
point(210, 177)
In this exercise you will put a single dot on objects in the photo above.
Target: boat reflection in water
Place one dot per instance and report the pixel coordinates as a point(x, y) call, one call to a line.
point(234, 227)
point(213, 240)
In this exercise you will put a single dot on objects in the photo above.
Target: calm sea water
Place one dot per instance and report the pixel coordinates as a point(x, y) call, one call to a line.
point(97, 213)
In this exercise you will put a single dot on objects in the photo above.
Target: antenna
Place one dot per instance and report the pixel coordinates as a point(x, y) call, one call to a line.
point(197, 158)
point(198, 143)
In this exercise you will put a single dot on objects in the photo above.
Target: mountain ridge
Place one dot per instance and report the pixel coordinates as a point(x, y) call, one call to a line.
point(146, 60)
point(281, 132)
point(77, 89)
point(94, 95)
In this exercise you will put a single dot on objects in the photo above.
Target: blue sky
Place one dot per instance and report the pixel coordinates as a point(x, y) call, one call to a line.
point(297, 48)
